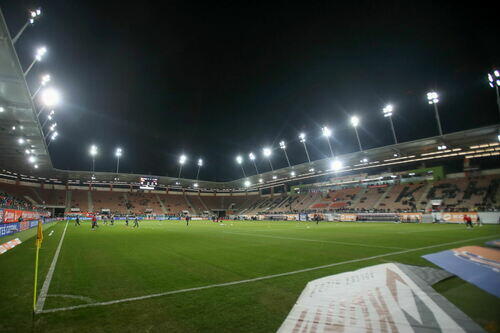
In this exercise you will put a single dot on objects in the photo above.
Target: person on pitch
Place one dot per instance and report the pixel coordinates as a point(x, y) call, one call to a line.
point(77, 220)
point(94, 222)
point(112, 220)
point(136, 222)
point(187, 220)
point(468, 221)
point(126, 220)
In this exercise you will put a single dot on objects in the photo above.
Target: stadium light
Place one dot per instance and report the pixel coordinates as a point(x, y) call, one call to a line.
point(21, 141)
point(32, 159)
point(355, 123)
point(239, 160)
point(93, 152)
point(34, 15)
point(494, 81)
point(52, 138)
point(247, 183)
point(182, 160)
point(283, 146)
point(267, 153)
point(35, 166)
point(336, 165)
point(327, 133)
point(50, 97)
point(388, 110)
point(200, 164)
point(302, 139)
point(49, 117)
point(261, 180)
point(52, 128)
point(40, 52)
point(118, 154)
point(433, 98)
point(195, 185)
point(292, 174)
point(251, 156)
point(45, 79)
point(2, 109)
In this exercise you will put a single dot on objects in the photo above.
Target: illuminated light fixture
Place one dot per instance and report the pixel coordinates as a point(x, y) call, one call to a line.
point(195, 185)
point(336, 165)
point(40, 52)
point(251, 156)
point(355, 123)
point(33, 15)
point(247, 183)
point(364, 160)
point(261, 180)
point(302, 139)
point(283, 146)
point(442, 147)
point(494, 82)
point(388, 111)
point(118, 154)
point(13, 128)
point(292, 173)
point(433, 99)
point(327, 133)
point(32, 159)
point(21, 141)
point(200, 164)
point(2, 109)
point(239, 160)
point(267, 153)
point(311, 170)
point(182, 159)
point(51, 97)
point(275, 177)
point(35, 166)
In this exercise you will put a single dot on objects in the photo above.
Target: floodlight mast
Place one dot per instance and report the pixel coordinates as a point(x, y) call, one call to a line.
point(433, 98)
point(494, 81)
point(200, 164)
point(31, 20)
point(388, 110)
point(267, 153)
point(239, 160)
point(327, 132)
point(50, 97)
point(251, 156)
point(49, 117)
point(182, 160)
point(45, 79)
point(118, 154)
point(302, 138)
point(355, 123)
point(93, 152)
point(283, 146)
point(40, 52)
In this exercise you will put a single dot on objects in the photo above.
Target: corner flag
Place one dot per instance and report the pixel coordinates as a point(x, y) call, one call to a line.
point(39, 234)
point(38, 243)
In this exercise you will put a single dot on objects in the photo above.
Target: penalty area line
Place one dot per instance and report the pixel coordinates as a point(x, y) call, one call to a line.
point(261, 278)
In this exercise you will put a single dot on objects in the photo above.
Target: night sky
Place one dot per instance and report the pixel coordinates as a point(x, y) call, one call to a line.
point(220, 79)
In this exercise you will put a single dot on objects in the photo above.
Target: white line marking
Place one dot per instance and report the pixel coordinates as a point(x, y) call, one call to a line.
point(138, 298)
point(82, 298)
point(45, 288)
point(51, 232)
point(316, 240)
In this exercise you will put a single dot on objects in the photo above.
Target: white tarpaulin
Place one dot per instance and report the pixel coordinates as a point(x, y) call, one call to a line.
point(382, 298)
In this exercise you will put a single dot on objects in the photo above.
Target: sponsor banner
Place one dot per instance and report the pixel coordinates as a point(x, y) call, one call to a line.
point(382, 298)
point(347, 217)
point(24, 225)
point(303, 217)
point(410, 217)
point(13, 215)
point(9, 245)
point(436, 202)
point(457, 217)
point(9, 228)
point(1, 215)
point(475, 264)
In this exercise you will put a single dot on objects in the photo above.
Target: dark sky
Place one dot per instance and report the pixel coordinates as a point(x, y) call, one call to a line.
point(220, 79)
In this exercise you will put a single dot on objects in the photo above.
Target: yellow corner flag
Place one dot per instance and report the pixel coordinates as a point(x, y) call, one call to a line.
point(38, 243)
point(39, 234)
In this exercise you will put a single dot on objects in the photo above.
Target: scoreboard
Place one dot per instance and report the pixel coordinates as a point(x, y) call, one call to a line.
point(148, 183)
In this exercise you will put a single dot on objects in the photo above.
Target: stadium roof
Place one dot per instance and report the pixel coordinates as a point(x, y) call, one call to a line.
point(18, 120)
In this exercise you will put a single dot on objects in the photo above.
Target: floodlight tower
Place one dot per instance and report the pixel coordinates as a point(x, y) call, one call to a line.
point(251, 156)
point(45, 79)
point(118, 154)
point(93, 152)
point(433, 99)
point(327, 133)
point(182, 160)
point(50, 97)
point(239, 160)
point(283, 146)
point(49, 117)
point(52, 138)
point(388, 110)
point(355, 123)
point(52, 128)
point(267, 153)
point(200, 164)
point(494, 81)
point(34, 14)
point(40, 52)
point(302, 138)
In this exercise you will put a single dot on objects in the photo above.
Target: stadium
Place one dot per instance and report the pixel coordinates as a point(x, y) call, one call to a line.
point(402, 236)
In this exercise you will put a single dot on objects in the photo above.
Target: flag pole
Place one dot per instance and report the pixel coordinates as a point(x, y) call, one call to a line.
point(36, 278)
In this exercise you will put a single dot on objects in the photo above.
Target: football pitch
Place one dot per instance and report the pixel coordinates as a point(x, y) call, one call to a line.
point(234, 276)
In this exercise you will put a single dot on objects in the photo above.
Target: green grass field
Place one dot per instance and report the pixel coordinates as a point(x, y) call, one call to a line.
point(119, 263)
